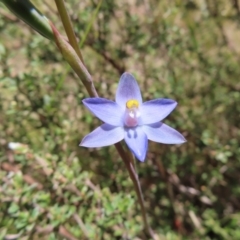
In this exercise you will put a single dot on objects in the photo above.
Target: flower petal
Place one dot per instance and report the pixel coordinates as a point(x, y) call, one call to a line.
point(162, 133)
point(102, 136)
point(106, 110)
point(127, 89)
point(137, 141)
point(156, 110)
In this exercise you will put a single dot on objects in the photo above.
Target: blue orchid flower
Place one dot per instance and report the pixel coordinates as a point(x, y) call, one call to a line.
point(130, 119)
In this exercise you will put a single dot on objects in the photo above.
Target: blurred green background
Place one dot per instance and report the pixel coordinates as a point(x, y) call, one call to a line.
point(50, 188)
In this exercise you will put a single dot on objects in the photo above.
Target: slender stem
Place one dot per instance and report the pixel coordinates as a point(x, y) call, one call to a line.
point(137, 186)
point(87, 80)
point(68, 27)
point(90, 23)
point(131, 157)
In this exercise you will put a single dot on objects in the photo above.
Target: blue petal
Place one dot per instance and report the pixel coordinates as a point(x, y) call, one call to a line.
point(127, 89)
point(106, 110)
point(156, 110)
point(162, 133)
point(102, 136)
point(137, 141)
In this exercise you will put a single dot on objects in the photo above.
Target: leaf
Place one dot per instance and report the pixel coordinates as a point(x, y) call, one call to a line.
point(27, 12)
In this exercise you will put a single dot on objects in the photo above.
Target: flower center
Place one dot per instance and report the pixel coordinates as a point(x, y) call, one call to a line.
point(132, 113)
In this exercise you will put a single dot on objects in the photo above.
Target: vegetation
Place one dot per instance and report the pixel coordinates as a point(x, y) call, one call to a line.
point(50, 188)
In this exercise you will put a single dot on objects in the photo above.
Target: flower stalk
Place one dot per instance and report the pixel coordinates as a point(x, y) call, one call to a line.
point(75, 60)
point(134, 177)
point(68, 27)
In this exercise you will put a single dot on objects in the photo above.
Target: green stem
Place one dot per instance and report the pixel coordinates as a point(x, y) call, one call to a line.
point(87, 81)
point(130, 167)
point(68, 27)
point(90, 24)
